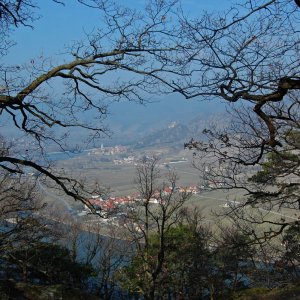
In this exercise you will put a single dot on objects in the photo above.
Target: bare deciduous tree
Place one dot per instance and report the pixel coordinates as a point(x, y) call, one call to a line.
point(249, 57)
point(19, 207)
point(151, 217)
point(129, 56)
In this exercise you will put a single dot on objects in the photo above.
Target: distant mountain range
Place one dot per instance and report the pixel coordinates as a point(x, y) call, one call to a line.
point(176, 134)
point(173, 134)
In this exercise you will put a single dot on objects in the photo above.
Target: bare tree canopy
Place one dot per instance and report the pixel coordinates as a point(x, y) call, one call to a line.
point(125, 59)
point(249, 57)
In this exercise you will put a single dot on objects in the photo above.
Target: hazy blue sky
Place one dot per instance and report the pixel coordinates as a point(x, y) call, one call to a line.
point(58, 26)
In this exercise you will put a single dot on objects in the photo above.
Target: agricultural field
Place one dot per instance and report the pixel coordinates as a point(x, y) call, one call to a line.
point(117, 174)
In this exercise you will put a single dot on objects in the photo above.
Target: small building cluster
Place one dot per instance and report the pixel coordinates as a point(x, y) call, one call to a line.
point(112, 203)
point(108, 150)
point(109, 204)
point(125, 161)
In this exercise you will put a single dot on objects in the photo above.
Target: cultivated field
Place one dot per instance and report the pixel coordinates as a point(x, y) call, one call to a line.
point(119, 178)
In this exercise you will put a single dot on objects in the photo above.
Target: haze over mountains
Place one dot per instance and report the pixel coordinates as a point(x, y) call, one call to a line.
point(170, 120)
